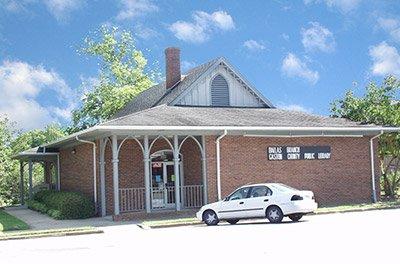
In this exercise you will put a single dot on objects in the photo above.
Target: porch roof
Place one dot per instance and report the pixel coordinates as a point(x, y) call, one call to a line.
point(37, 154)
point(178, 120)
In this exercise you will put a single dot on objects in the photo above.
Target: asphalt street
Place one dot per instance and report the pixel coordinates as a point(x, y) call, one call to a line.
point(362, 237)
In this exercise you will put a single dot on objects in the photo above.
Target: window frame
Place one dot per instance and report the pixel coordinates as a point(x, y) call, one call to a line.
point(253, 187)
point(230, 195)
point(211, 91)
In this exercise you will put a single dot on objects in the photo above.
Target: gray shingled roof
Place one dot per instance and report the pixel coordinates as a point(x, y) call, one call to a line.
point(226, 116)
point(159, 95)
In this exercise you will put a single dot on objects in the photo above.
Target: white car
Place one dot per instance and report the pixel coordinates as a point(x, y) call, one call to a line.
point(271, 200)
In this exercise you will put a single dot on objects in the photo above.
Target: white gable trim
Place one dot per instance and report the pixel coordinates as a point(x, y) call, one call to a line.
point(235, 74)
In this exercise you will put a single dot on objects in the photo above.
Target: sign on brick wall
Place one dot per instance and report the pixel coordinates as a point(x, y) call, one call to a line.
point(299, 152)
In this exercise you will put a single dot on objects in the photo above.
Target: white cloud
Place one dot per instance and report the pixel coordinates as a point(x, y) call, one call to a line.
point(385, 60)
point(391, 26)
point(292, 66)
point(187, 65)
point(294, 107)
point(145, 32)
point(285, 36)
point(253, 45)
point(317, 37)
point(20, 86)
point(345, 6)
point(60, 9)
point(202, 27)
point(133, 8)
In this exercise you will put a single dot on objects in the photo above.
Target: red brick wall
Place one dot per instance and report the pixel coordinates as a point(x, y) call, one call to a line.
point(76, 170)
point(345, 178)
point(191, 162)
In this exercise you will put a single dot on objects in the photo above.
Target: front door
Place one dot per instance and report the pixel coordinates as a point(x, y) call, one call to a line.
point(162, 185)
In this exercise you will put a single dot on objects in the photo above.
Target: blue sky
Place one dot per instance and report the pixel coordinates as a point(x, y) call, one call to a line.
point(300, 54)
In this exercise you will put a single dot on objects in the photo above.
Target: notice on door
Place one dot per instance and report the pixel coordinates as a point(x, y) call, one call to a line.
point(299, 152)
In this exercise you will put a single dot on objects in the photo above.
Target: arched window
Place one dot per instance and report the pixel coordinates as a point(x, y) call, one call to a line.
point(219, 91)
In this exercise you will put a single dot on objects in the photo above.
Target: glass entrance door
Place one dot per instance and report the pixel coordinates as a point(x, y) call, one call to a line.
point(162, 185)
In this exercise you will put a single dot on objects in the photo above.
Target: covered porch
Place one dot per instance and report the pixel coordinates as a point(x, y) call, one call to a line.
point(48, 158)
point(151, 173)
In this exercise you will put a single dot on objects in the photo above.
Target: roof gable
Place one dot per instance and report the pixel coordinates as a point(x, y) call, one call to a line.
point(159, 95)
point(237, 76)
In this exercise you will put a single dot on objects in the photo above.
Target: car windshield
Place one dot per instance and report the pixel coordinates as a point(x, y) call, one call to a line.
point(283, 187)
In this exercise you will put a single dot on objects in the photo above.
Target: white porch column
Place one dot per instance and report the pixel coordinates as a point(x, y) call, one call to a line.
point(21, 183)
point(146, 160)
point(176, 172)
point(102, 177)
point(115, 173)
point(204, 170)
point(30, 179)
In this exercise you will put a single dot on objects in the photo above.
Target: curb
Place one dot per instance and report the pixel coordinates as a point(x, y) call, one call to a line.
point(358, 210)
point(146, 227)
point(49, 234)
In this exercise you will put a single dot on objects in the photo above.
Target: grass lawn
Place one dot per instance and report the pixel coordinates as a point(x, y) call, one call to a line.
point(322, 210)
point(9, 222)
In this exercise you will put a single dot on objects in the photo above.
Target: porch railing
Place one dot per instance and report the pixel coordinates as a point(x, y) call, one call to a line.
point(192, 196)
point(132, 199)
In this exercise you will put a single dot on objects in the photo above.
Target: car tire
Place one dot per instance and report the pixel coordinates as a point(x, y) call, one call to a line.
point(232, 221)
point(274, 214)
point(295, 217)
point(210, 218)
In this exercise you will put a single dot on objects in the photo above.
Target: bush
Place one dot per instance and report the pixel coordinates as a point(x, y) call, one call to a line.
point(65, 205)
point(54, 213)
point(37, 206)
point(41, 194)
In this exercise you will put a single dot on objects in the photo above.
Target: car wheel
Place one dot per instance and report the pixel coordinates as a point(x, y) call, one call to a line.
point(274, 214)
point(232, 221)
point(295, 217)
point(210, 218)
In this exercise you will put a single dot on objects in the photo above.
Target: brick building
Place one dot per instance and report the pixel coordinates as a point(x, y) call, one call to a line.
point(195, 138)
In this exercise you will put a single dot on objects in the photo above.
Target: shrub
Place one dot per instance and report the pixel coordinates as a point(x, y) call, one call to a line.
point(41, 194)
point(54, 213)
point(65, 205)
point(37, 206)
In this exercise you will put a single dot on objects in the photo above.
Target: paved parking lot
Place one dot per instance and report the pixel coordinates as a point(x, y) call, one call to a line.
point(367, 237)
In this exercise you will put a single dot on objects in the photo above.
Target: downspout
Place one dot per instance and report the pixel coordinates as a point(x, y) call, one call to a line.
point(371, 145)
point(94, 169)
point(219, 163)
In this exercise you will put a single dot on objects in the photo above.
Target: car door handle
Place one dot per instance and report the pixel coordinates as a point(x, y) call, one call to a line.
point(266, 200)
point(241, 203)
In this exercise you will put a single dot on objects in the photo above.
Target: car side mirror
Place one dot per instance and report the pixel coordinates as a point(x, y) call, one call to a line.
point(226, 199)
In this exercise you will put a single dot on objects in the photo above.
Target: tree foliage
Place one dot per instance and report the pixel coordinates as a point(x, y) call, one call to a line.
point(13, 142)
point(122, 76)
point(381, 106)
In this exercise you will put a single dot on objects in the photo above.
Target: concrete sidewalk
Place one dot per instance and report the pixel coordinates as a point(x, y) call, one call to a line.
point(38, 221)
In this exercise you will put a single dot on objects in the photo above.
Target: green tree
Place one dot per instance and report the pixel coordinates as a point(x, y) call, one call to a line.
point(122, 76)
point(8, 167)
point(11, 143)
point(381, 106)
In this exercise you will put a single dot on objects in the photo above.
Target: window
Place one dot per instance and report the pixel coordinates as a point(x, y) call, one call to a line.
point(219, 91)
point(239, 194)
point(260, 191)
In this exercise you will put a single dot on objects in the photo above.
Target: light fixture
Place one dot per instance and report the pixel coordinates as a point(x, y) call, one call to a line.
point(73, 151)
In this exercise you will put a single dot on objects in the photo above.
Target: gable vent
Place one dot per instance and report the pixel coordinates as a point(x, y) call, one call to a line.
point(219, 91)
